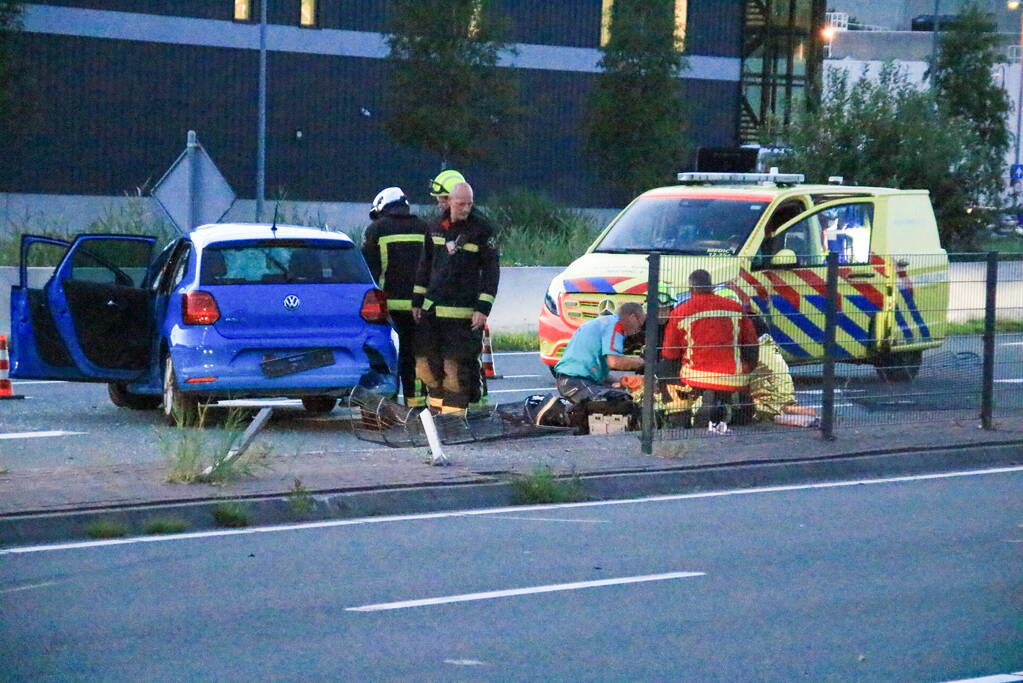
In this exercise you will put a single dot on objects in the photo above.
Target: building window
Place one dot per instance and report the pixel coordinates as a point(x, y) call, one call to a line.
point(307, 16)
point(243, 10)
point(681, 16)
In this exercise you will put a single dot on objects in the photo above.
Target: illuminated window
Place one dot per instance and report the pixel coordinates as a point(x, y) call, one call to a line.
point(242, 10)
point(307, 16)
point(681, 15)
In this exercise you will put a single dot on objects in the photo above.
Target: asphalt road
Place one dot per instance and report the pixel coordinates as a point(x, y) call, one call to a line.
point(73, 424)
point(912, 580)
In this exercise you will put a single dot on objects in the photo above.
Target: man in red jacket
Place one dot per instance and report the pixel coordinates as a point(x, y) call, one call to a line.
point(706, 333)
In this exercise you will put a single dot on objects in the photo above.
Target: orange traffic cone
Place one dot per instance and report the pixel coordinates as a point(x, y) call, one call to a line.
point(6, 390)
point(487, 357)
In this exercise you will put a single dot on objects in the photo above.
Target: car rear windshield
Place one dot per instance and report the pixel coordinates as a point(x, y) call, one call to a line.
point(683, 225)
point(280, 261)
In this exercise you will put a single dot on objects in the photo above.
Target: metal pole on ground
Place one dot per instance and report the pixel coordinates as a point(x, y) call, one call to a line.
point(987, 396)
point(191, 148)
point(650, 352)
point(830, 325)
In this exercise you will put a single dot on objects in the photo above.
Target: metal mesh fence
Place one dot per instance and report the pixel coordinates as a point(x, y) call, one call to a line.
point(828, 343)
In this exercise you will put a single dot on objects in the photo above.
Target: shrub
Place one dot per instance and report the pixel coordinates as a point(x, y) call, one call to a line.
point(231, 515)
point(541, 486)
point(106, 528)
point(165, 525)
point(534, 230)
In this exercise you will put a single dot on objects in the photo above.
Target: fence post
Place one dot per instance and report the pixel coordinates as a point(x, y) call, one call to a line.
point(650, 355)
point(830, 325)
point(987, 396)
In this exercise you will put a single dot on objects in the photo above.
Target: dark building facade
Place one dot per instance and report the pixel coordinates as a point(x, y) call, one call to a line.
point(114, 86)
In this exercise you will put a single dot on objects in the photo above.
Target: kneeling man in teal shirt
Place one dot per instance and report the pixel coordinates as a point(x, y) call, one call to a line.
point(595, 349)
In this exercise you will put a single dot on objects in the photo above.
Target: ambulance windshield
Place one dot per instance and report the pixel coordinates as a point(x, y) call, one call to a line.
point(686, 225)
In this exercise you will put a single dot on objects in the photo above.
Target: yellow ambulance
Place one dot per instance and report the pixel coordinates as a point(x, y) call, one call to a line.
point(766, 236)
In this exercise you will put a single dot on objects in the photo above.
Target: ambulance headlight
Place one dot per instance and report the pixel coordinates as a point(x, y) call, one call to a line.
point(550, 299)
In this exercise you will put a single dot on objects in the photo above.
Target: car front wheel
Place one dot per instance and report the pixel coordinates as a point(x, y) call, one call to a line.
point(319, 404)
point(179, 408)
point(122, 398)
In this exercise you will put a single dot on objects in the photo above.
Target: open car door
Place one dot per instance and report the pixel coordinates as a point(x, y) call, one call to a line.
point(92, 320)
point(791, 268)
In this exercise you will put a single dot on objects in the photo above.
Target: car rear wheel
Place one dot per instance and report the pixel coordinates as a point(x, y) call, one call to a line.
point(178, 407)
point(901, 366)
point(122, 398)
point(319, 404)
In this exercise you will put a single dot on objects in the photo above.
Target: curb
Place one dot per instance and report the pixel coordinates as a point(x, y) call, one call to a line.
point(31, 529)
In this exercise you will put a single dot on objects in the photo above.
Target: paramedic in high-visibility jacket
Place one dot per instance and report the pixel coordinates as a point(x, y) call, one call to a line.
point(455, 287)
point(707, 334)
point(392, 247)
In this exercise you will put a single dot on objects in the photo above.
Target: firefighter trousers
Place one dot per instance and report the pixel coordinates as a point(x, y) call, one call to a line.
point(406, 328)
point(447, 361)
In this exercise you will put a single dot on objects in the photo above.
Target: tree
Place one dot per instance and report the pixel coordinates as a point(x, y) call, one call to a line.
point(961, 78)
point(447, 94)
point(884, 131)
point(10, 23)
point(637, 127)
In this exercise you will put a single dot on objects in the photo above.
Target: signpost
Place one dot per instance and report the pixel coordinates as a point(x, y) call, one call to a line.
point(1016, 172)
point(193, 191)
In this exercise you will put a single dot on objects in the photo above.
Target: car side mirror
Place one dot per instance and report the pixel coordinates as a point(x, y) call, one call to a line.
point(784, 257)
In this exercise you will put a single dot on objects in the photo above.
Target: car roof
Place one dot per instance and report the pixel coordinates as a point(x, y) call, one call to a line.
point(227, 232)
point(763, 192)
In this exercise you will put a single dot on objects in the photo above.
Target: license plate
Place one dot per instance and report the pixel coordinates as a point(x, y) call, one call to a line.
point(299, 362)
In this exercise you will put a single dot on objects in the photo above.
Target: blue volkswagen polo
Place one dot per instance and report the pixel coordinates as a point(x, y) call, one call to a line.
point(228, 311)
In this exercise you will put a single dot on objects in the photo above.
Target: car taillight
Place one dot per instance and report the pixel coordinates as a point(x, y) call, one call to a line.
point(374, 307)
point(199, 308)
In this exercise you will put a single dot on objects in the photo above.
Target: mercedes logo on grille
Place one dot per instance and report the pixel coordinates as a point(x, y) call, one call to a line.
point(291, 302)
point(606, 307)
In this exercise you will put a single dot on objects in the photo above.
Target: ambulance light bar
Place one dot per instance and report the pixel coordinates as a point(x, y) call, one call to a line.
point(702, 178)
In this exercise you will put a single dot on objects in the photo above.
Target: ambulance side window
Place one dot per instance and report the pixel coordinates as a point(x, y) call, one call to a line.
point(802, 239)
point(847, 230)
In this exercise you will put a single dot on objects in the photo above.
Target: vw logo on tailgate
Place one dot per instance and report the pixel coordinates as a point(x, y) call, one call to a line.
point(291, 302)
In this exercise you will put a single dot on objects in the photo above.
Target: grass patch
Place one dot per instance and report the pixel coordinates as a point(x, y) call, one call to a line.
point(1004, 244)
point(534, 230)
point(232, 515)
point(300, 501)
point(190, 449)
point(976, 326)
point(165, 525)
point(515, 341)
point(106, 528)
point(541, 486)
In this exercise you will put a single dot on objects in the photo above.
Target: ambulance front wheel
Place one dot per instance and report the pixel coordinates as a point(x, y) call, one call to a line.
point(901, 366)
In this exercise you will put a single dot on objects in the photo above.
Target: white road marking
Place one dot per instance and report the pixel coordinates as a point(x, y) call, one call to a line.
point(496, 511)
point(465, 662)
point(516, 353)
point(512, 391)
point(1017, 380)
point(29, 587)
point(553, 519)
point(490, 595)
point(36, 435)
point(997, 678)
point(1011, 344)
point(22, 382)
point(517, 376)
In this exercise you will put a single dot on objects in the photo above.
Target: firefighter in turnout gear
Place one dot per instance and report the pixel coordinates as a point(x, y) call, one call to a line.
point(454, 290)
point(392, 248)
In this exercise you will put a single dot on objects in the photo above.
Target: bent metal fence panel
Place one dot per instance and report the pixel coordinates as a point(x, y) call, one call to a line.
point(840, 346)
